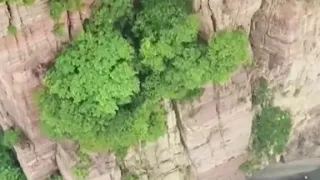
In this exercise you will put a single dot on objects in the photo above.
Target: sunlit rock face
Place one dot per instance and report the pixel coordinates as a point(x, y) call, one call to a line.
point(285, 42)
point(24, 58)
point(207, 138)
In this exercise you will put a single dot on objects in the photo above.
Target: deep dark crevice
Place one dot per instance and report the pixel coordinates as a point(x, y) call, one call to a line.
point(69, 26)
point(213, 19)
point(181, 129)
point(10, 18)
point(126, 23)
point(9, 11)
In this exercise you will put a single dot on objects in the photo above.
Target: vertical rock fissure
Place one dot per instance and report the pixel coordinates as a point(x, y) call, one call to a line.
point(213, 19)
point(9, 11)
point(69, 26)
point(180, 128)
point(217, 109)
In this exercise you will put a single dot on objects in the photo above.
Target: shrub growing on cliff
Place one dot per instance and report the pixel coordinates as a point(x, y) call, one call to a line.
point(11, 137)
point(56, 177)
point(106, 89)
point(12, 30)
point(270, 130)
point(9, 166)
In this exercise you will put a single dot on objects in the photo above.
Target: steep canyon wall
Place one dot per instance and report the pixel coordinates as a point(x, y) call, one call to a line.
point(206, 139)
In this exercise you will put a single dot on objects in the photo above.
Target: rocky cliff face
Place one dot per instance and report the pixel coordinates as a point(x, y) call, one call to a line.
point(24, 57)
point(206, 139)
point(285, 41)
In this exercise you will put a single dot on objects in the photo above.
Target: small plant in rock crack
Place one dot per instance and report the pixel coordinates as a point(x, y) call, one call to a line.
point(12, 30)
point(56, 177)
point(130, 177)
point(11, 137)
point(81, 169)
point(28, 2)
point(59, 29)
point(262, 95)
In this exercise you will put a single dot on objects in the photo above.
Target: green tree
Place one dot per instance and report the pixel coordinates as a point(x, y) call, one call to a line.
point(178, 63)
point(106, 89)
point(90, 80)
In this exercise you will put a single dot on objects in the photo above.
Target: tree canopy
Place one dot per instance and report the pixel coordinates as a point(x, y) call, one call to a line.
point(107, 88)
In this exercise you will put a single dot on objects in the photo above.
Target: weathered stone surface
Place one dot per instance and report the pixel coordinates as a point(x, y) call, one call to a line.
point(66, 158)
point(305, 142)
point(226, 171)
point(285, 40)
point(217, 127)
point(24, 58)
point(164, 159)
point(20, 57)
point(4, 20)
point(103, 165)
point(216, 15)
point(37, 158)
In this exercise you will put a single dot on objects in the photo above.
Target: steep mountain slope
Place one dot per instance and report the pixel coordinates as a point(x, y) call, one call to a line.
point(205, 139)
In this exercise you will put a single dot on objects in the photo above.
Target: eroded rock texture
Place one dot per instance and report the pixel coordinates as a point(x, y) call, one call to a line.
point(217, 127)
point(165, 159)
point(21, 55)
point(285, 38)
point(217, 15)
point(103, 165)
point(206, 139)
point(24, 58)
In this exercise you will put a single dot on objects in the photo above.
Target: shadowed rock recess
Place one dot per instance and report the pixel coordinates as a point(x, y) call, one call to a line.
point(205, 139)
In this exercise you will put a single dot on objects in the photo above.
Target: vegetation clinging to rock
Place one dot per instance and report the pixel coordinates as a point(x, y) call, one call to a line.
point(106, 89)
point(9, 166)
point(270, 130)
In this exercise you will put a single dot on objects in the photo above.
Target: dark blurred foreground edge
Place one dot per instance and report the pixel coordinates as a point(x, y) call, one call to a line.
point(297, 170)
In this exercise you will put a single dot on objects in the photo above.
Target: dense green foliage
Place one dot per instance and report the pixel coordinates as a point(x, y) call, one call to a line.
point(106, 89)
point(9, 167)
point(270, 130)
